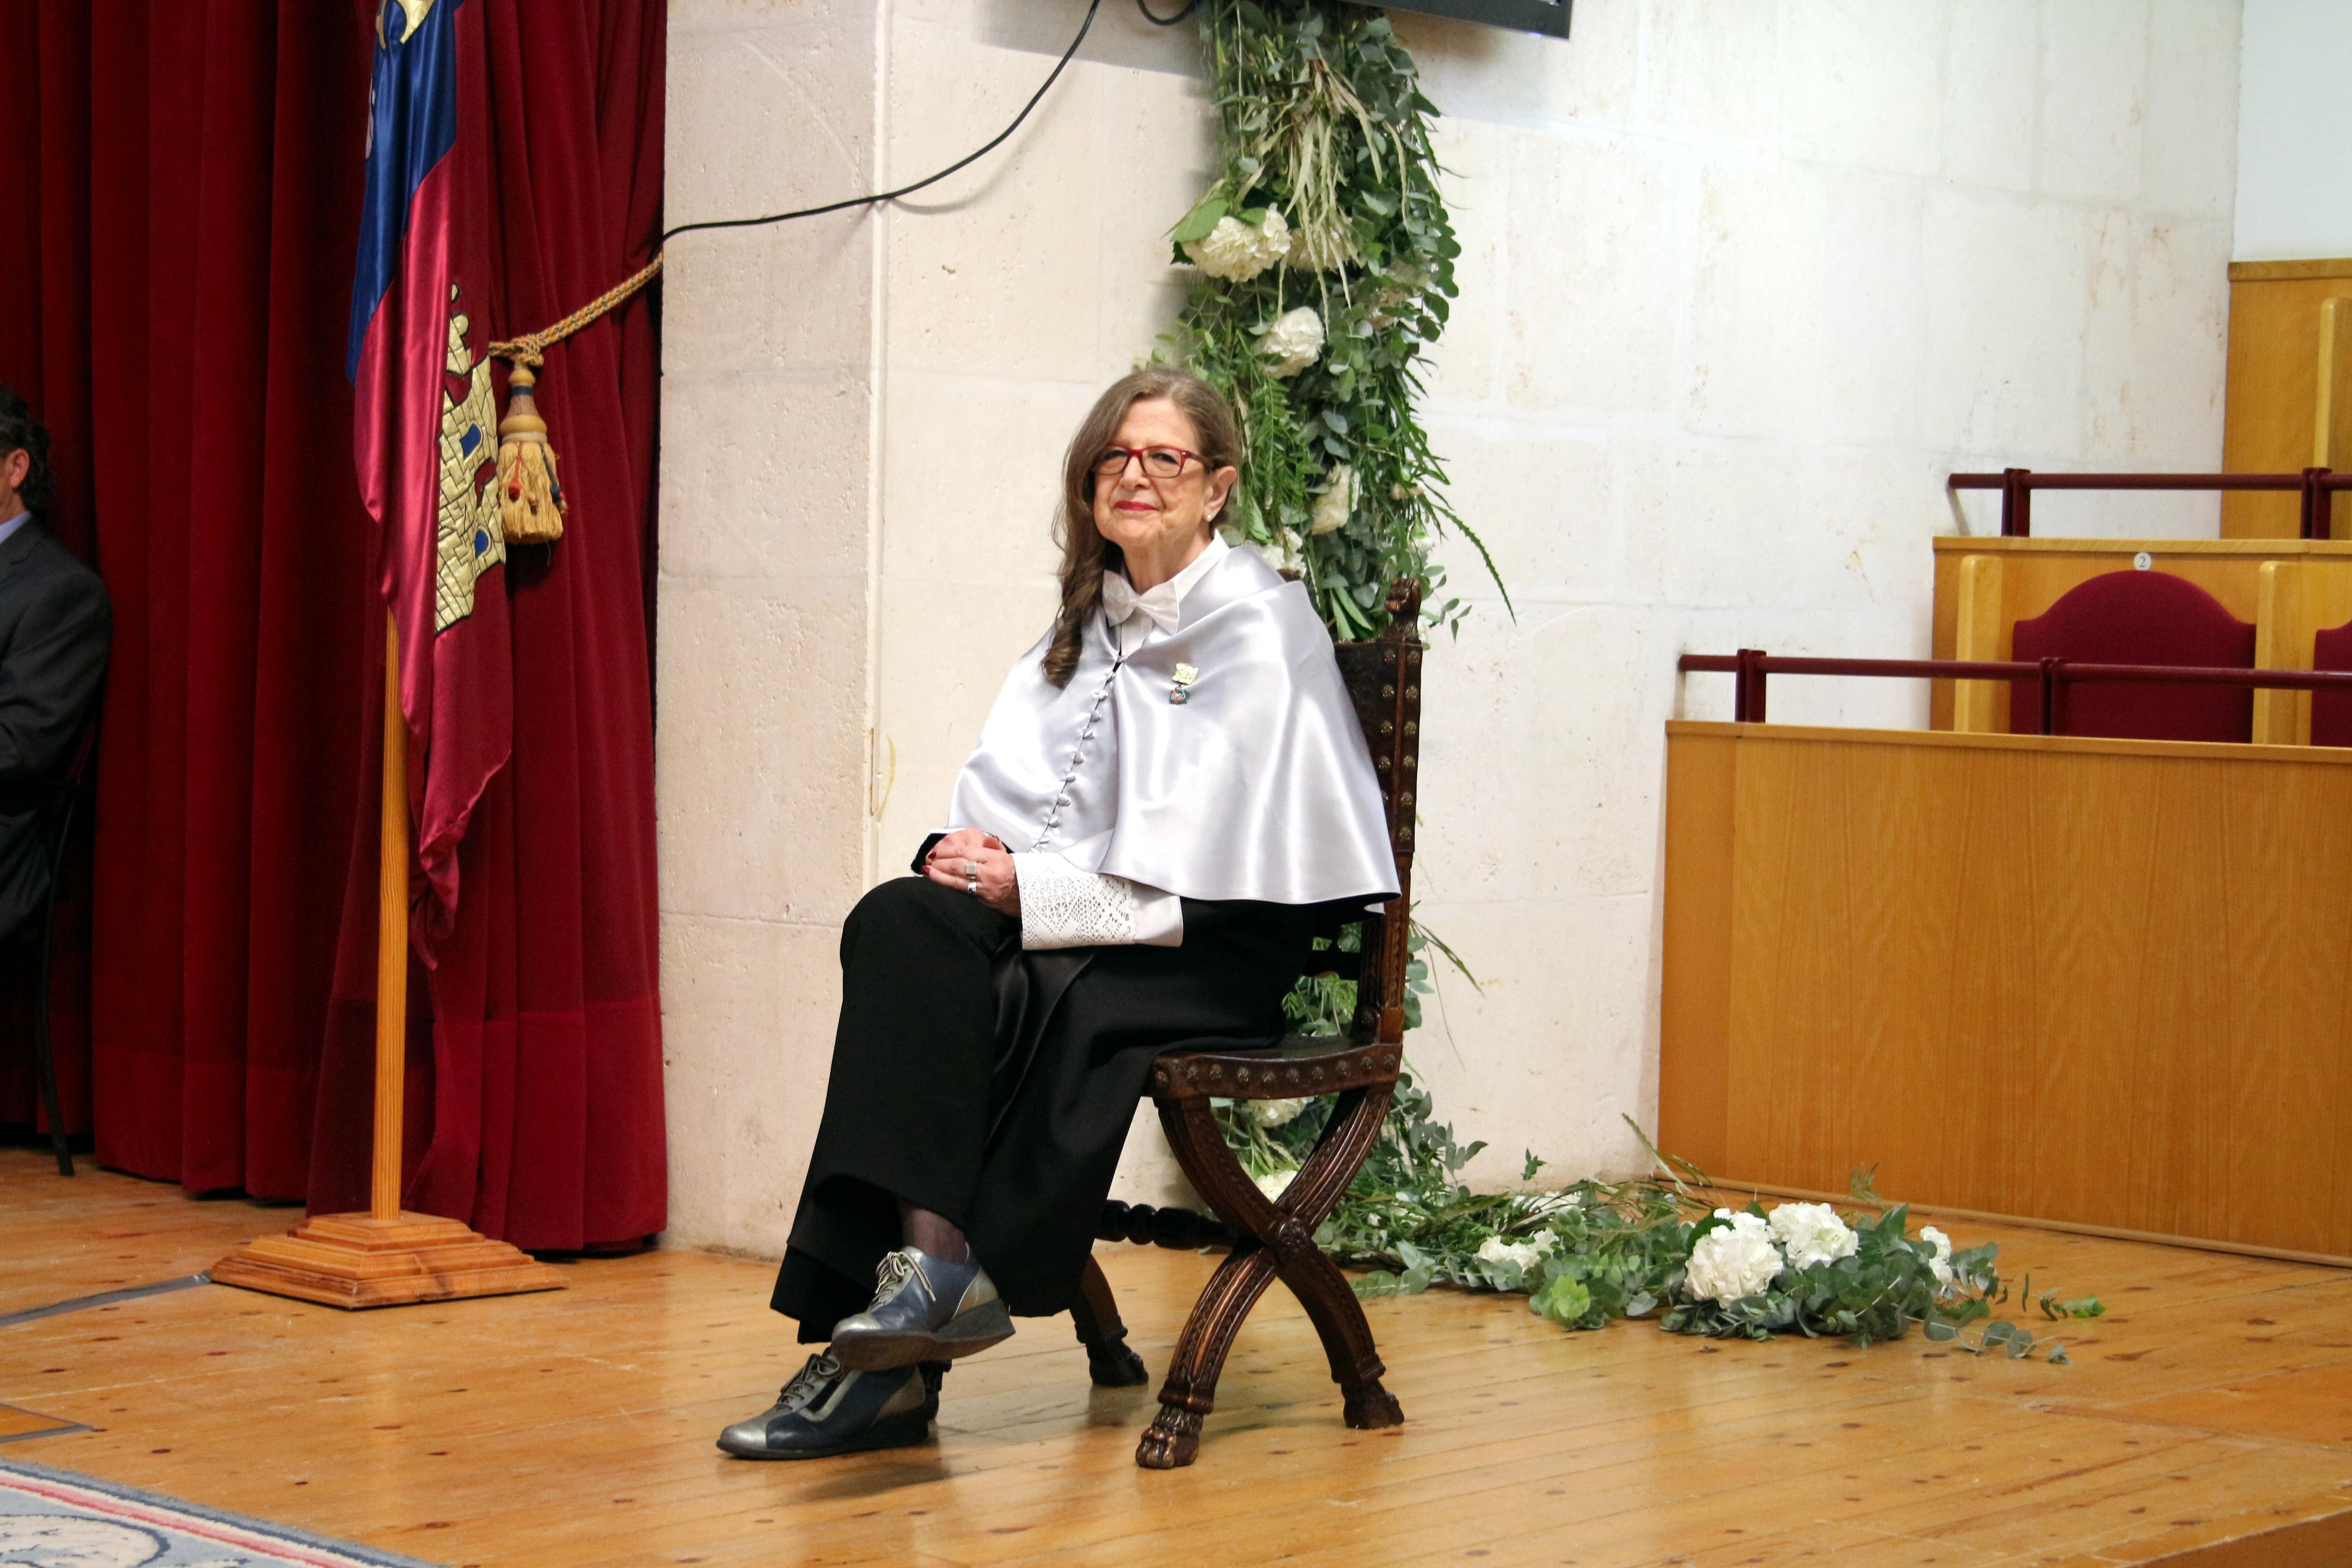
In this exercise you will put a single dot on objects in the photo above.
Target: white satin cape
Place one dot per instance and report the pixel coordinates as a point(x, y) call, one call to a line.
point(1257, 785)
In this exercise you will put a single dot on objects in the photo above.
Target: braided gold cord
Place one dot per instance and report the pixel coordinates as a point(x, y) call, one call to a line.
point(530, 348)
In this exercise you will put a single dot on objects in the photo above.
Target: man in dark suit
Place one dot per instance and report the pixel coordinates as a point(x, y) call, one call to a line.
point(55, 628)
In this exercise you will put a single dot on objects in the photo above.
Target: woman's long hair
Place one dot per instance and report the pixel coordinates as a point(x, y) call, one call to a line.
point(1084, 552)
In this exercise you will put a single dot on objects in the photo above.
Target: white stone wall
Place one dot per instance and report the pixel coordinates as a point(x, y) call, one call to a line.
point(1740, 284)
point(2294, 163)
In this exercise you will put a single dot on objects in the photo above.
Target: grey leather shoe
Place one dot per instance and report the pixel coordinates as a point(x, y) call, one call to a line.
point(924, 1309)
point(826, 1410)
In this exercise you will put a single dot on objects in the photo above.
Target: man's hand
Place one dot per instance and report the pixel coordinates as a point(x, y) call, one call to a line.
point(1000, 889)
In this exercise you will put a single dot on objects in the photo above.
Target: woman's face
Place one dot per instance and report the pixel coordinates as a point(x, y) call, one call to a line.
point(1146, 515)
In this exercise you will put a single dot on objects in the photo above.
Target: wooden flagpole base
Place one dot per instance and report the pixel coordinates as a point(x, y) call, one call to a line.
point(388, 1257)
point(356, 1260)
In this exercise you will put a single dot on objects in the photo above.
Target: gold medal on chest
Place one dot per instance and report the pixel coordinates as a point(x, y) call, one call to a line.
point(1180, 692)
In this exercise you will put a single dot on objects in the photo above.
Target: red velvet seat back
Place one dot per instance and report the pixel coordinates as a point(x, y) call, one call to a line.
point(2138, 617)
point(2331, 712)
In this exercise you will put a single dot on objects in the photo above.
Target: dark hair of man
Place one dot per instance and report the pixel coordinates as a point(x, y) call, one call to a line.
point(1084, 552)
point(20, 432)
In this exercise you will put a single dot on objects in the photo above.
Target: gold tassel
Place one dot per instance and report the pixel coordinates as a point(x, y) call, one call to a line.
point(531, 497)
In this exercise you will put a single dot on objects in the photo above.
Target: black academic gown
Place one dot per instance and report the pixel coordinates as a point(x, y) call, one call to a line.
point(995, 1087)
point(55, 631)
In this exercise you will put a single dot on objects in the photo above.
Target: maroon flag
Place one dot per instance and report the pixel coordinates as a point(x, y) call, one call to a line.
point(426, 421)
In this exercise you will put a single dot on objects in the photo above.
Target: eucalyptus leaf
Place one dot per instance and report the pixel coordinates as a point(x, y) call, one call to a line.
point(1197, 223)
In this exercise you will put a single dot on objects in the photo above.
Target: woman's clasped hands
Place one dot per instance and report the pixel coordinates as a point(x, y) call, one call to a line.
point(977, 863)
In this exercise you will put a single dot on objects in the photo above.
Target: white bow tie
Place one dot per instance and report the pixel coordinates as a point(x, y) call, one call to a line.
point(1120, 601)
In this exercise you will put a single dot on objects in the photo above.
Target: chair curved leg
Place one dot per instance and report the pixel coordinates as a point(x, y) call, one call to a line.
point(1324, 1291)
point(1189, 1392)
point(1110, 1361)
point(1280, 1243)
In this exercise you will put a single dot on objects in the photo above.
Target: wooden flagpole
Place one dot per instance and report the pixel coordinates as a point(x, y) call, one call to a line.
point(386, 1257)
point(391, 944)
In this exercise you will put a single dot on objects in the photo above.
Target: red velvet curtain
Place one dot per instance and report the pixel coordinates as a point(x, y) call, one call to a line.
point(177, 314)
point(196, 169)
point(544, 1073)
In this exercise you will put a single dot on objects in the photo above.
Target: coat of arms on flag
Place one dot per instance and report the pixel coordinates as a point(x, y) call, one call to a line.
point(470, 540)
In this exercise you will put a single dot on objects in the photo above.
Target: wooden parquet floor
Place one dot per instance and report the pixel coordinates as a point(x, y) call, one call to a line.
point(2207, 1421)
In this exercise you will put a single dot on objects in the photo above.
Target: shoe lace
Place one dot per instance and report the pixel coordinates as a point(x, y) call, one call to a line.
point(893, 1271)
point(809, 1382)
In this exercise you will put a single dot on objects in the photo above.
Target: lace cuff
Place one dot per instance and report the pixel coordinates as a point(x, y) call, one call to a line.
point(1062, 906)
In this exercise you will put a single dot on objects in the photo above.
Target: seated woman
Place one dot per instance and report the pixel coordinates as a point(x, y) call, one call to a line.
point(1171, 799)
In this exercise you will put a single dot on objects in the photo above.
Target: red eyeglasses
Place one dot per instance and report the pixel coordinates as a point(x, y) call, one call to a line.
point(1158, 462)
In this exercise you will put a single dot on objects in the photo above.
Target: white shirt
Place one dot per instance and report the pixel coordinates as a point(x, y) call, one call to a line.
point(1062, 904)
point(8, 528)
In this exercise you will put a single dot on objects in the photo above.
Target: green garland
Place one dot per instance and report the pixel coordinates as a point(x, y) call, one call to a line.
point(1326, 268)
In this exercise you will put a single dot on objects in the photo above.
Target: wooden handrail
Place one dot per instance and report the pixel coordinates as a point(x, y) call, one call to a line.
point(2017, 487)
point(1750, 666)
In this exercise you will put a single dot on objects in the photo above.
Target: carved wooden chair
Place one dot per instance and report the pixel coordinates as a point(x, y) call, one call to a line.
point(1274, 1237)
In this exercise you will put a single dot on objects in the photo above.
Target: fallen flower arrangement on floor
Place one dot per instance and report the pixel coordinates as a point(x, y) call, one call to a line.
point(1593, 1251)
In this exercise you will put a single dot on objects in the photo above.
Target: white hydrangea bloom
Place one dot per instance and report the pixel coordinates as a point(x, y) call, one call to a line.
point(1495, 1249)
point(1283, 551)
point(1274, 1183)
point(1228, 250)
point(1811, 1234)
point(1238, 251)
point(1942, 1264)
point(1293, 340)
point(1333, 507)
point(1735, 1261)
point(1275, 1113)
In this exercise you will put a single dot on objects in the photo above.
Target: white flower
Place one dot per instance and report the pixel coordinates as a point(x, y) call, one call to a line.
point(1942, 1264)
point(1272, 236)
point(1240, 251)
point(1293, 340)
point(1272, 1112)
point(1336, 501)
point(1495, 1249)
point(1545, 1242)
point(1811, 1234)
point(1282, 552)
point(1735, 1261)
point(1274, 1183)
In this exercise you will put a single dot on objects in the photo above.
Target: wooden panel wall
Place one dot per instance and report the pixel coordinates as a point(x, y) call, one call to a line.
point(1984, 587)
point(2280, 360)
point(2108, 982)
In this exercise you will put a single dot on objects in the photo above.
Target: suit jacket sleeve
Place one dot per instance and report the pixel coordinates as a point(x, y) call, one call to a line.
point(49, 675)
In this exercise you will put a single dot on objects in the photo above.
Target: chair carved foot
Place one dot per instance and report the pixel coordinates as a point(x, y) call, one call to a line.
point(1369, 1406)
point(1171, 1442)
point(1113, 1366)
